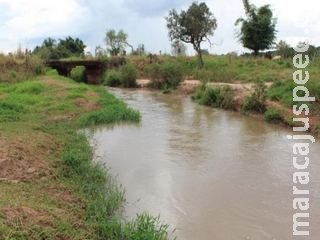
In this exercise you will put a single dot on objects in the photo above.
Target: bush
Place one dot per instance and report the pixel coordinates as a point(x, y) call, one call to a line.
point(273, 115)
point(112, 78)
point(215, 97)
point(78, 74)
point(171, 74)
point(165, 76)
point(256, 102)
point(128, 76)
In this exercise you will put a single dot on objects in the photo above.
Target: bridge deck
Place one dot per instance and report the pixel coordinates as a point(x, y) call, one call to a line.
point(85, 63)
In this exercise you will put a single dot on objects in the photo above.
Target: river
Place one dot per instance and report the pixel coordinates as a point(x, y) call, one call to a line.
point(208, 173)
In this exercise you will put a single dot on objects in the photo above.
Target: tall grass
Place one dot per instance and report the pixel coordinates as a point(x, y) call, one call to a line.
point(19, 67)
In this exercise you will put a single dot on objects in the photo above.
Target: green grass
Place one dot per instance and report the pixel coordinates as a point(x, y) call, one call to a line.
point(45, 114)
point(230, 68)
point(273, 115)
point(282, 91)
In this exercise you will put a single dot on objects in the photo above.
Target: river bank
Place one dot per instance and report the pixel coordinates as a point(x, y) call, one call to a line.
point(282, 115)
point(50, 188)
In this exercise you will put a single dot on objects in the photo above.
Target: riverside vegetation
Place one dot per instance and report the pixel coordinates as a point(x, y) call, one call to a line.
point(50, 187)
point(167, 72)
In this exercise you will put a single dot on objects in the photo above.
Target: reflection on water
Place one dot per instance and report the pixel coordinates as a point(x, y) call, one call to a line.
point(211, 174)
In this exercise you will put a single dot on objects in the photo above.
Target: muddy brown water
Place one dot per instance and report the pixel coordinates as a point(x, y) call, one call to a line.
point(209, 174)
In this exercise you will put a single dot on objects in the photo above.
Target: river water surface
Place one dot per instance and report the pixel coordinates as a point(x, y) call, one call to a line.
point(210, 174)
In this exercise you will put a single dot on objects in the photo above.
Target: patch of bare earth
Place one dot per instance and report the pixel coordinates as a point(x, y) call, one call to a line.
point(21, 161)
point(24, 216)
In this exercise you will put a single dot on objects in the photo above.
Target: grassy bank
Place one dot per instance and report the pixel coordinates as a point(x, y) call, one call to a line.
point(274, 103)
point(228, 68)
point(50, 188)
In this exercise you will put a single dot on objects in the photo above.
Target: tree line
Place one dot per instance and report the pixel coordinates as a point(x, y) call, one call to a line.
point(196, 25)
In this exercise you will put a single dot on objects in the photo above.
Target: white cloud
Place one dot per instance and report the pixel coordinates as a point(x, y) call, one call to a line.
point(31, 19)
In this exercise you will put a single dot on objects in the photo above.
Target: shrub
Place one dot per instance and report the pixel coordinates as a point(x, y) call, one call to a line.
point(256, 102)
point(78, 74)
point(221, 97)
point(171, 74)
point(128, 76)
point(112, 78)
point(211, 97)
point(273, 115)
point(165, 76)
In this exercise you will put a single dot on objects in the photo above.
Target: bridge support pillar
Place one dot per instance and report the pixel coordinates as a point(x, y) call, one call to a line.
point(93, 76)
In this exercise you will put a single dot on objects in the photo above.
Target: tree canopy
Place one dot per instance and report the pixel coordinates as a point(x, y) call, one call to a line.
point(193, 26)
point(64, 48)
point(116, 42)
point(258, 30)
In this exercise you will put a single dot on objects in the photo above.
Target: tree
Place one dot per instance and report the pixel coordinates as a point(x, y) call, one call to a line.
point(71, 47)
point(65, 48)
point(258, 31)
point(193, 26)
point(285, 50)
point(99, 51)
point(178, 48)
point(116, 42)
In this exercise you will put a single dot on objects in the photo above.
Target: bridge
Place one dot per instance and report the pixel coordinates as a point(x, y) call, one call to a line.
point(93, 68)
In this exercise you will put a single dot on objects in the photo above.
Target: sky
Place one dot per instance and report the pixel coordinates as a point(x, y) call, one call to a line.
point(28, 22)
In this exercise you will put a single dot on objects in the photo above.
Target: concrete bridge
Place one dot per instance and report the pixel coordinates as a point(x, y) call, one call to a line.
point(93, 68)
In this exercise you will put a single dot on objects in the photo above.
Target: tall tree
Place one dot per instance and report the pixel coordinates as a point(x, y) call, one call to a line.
point(116, 42)
point(193, 26)
point(258, 30)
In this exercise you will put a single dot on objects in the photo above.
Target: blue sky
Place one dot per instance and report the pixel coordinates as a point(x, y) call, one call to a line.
point(28, 22)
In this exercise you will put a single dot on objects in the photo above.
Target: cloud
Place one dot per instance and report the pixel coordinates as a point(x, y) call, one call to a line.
point(30, 21)
point(154, 8)
point(27, 20)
